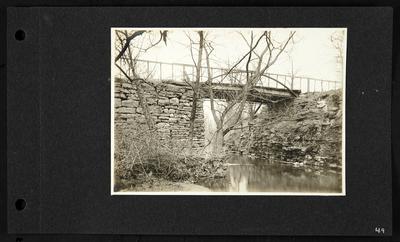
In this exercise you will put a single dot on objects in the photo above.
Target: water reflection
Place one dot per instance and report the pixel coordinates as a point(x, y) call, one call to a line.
point(255, 175)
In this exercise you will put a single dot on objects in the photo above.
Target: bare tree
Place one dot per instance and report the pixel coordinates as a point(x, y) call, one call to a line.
point(262, 54)
point(337, 40)
point(196, 85)
point(129, 49)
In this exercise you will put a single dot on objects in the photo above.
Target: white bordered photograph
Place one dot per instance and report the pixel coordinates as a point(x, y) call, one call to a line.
point(228, 111)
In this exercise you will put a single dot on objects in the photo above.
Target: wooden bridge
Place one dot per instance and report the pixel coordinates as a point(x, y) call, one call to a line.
point(228, 91)
point(270, 86)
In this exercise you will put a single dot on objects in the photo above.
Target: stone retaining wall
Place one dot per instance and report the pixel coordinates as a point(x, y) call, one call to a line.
point(308, 130)
point(170, 106)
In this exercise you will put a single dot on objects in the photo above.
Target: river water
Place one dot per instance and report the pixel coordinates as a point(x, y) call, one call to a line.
point(259, 175)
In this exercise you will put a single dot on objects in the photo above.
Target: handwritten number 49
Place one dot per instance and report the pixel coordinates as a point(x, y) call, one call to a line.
point(379, 230)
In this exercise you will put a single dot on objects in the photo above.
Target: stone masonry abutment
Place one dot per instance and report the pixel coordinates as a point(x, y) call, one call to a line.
point(170, 106)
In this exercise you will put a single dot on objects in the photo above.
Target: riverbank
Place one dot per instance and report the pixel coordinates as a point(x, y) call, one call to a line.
point(302, 136)
point(145, 160)
point(162, 185)
point(307, 131)
point(183, 175)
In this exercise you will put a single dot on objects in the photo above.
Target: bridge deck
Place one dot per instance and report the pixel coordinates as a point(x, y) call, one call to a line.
point(178, 71)
point(230, 91)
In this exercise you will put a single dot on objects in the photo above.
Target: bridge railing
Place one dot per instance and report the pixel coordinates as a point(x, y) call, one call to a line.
point(177, 71)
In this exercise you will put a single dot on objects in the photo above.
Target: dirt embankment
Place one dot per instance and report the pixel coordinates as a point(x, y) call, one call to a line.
point(306, 131)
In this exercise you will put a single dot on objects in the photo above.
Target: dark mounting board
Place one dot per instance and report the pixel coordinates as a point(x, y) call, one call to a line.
point(58, 102)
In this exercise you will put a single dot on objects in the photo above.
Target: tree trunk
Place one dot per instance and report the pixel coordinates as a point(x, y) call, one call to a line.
point(144, 106)
point(196, 89)
point(218, 143)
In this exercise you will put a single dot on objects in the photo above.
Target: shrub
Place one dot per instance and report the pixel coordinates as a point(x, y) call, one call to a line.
point(142, 154)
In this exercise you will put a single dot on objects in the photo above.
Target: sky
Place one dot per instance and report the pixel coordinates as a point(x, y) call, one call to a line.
point(312, 53)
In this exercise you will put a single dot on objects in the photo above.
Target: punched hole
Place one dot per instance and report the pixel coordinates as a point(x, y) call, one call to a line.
point(20, 35)
point(20, 204)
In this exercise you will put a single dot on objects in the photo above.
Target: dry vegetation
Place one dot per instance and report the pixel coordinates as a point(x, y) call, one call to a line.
point(143, 158)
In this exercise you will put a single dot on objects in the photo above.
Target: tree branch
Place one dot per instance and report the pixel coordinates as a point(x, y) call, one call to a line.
point(128, 41)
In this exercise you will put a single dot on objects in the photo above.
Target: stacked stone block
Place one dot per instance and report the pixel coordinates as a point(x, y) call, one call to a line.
point(170, 106)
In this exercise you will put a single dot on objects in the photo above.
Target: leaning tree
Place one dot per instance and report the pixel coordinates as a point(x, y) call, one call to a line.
point(129, 45)
point(263, 52)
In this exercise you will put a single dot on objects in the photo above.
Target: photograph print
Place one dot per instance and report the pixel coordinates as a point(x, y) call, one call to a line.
point(228, 111)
